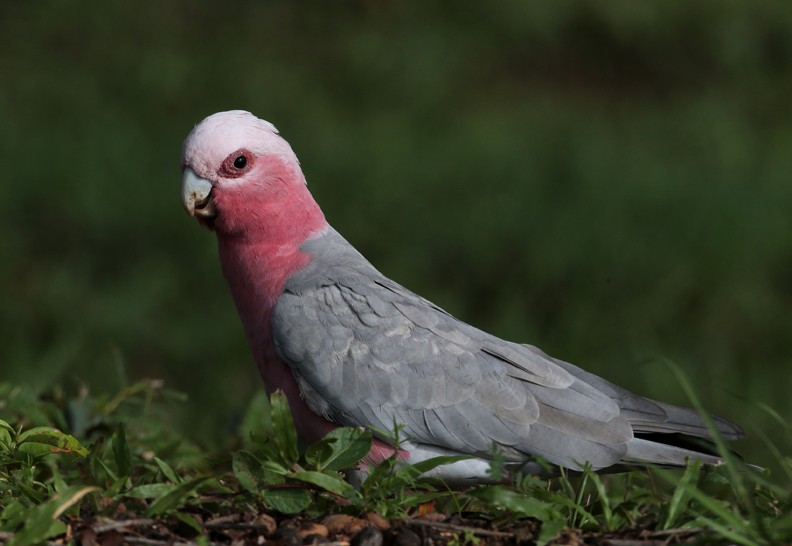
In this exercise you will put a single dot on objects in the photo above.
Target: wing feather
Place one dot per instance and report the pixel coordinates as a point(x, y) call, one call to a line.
point(366, 351)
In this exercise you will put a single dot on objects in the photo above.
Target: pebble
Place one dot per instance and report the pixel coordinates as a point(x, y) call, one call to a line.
point(312, 540)
point(267, 522)
point(406, 537)
point(287, 536)
point(524, 535)
point(308, 528)
point(344, 524)
point(368, 536)
point(377, 520)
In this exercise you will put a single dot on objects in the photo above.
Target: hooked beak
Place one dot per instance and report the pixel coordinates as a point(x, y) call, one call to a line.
point(196, 195)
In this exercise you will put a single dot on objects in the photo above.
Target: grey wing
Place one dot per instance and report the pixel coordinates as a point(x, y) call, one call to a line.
point(367, 352)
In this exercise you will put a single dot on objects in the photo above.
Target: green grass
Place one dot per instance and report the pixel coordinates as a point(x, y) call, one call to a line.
point(117, 458)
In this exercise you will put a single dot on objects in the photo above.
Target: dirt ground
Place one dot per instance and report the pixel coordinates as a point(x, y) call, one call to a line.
point(340, 529)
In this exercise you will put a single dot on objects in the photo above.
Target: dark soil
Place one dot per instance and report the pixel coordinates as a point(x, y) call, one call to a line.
point(251, 528)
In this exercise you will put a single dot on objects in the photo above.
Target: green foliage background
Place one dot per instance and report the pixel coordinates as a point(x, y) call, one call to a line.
point(609, 181)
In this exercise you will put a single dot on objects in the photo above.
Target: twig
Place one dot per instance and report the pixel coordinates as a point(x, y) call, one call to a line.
point(633, 542)
point(238, 526)
point(154, 542)
point(231, 518)
point(674, 532)
point(114, 525)
point(459, 528)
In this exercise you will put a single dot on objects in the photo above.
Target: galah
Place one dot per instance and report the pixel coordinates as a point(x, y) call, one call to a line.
point(350, 347)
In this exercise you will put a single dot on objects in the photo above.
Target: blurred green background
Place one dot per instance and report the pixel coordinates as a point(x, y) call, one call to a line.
point(609, 181)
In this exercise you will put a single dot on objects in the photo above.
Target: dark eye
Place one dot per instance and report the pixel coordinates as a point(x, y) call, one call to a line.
point(237, 164)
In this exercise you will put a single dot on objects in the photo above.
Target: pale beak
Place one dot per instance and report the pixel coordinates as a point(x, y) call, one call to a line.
point(196, 195)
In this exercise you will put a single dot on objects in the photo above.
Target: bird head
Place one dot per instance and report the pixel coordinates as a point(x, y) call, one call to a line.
point(239, 176)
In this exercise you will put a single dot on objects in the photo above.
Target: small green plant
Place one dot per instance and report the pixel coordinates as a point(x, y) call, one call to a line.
point(47, 474)
point(283, 478)
point(289, 481)
point(464, 538)
point(32, 493)
point(63, 458)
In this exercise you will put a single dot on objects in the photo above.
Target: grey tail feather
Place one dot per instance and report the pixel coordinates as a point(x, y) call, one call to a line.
point(647, 415)
point(682, 435)
point(643, 450)
point(685, 421)
point(670, 450)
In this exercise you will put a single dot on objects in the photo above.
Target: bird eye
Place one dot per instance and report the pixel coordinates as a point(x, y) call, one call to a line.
point(236, 164)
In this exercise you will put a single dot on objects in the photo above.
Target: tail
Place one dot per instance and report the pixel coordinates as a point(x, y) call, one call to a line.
point(665, 450)
point(664, 434)
point(681, 436)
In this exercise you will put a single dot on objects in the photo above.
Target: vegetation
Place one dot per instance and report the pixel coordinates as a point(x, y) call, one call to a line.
point(123, 470)
point(609, 181)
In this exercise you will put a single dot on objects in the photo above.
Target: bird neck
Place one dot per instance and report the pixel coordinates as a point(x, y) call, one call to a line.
point(257, 268)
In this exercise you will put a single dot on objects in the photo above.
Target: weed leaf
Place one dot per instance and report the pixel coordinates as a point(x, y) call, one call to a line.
point(43, 440)
point(150, 491)
point(340, 449)
point(326, 482)
point(176, 497)
point(247, 468)
point(503, 497)
point(257, 419)
point(283, 431)
point(121, 453)
point(430, 464)
point(167, 471)
point(41, 522)
point(287, 500)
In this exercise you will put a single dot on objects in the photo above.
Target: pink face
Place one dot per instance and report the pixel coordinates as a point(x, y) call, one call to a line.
point(237, 172)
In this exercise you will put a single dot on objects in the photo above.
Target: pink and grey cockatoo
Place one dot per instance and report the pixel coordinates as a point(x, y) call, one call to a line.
point(350, 347)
